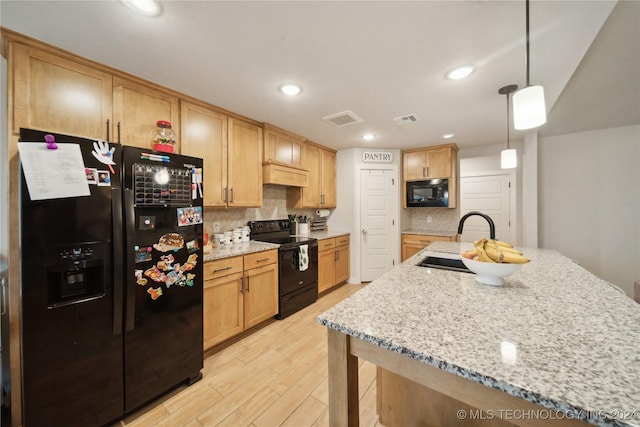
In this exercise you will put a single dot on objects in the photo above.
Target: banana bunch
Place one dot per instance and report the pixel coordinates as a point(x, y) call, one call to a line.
point(489, 250)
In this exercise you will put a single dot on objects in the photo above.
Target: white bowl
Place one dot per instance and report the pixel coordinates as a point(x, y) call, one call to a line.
point(490, 273)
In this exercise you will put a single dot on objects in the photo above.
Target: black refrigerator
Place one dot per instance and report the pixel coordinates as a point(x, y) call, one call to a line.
point(111, 278)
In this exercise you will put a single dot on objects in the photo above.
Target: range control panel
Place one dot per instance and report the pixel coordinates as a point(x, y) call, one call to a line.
point(258, 227)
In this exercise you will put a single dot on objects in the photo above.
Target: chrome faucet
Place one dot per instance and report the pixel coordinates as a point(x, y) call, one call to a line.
point(492, 226)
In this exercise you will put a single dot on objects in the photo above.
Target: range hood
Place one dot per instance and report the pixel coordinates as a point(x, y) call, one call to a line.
point(283, 174)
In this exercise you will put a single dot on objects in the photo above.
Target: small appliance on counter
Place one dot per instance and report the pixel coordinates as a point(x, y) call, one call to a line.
point(297, 264)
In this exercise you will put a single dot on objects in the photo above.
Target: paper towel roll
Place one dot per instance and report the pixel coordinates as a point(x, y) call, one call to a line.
point(322, 213)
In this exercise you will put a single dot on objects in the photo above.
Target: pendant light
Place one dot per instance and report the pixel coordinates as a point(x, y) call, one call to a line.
point(508, 158)
point(529, 109)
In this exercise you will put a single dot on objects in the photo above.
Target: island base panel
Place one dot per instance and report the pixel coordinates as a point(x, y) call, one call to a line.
point(402, 402)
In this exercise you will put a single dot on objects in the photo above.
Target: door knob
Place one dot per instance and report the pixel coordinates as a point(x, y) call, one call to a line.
point(364, 232)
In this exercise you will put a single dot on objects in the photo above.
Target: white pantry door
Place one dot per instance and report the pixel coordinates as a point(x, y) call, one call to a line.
point(378, 193)
point(491, 195)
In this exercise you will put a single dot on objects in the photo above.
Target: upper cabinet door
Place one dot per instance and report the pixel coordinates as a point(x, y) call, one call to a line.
point(137, 108)
point(244, 165)
point(429, 163)
point(328, 191)
point(415, 165)
point(311, 194)
point(439, 163)
point(59, 95)
point(204, 135)
point(281, 146)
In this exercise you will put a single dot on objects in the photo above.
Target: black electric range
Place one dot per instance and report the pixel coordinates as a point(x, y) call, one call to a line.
point(297, 274)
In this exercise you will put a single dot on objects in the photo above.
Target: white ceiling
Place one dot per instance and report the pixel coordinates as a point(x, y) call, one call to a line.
point(379, 59)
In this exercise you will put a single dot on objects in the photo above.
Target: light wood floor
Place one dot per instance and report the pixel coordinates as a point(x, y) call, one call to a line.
point(274, 377)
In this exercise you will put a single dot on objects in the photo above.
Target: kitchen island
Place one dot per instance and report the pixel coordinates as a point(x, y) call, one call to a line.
point(553, 343)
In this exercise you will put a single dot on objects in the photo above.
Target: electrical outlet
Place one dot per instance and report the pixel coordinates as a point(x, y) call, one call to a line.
point(429, 219)
point(216, 227)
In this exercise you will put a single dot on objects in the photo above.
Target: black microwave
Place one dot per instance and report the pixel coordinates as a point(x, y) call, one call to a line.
point(429, 193)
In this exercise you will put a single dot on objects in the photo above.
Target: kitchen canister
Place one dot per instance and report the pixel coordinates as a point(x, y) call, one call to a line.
point(228, 237)
point(219, 239)
point(246, 233)
point(237, 235)
point(303, 229)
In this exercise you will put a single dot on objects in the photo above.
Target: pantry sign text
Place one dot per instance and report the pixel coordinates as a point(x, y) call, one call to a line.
point(377, 157)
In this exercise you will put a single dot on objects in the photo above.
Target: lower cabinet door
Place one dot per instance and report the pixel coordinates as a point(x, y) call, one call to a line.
point(223, 308)
point(260, 294)
point(342, 264)
point(326, 270)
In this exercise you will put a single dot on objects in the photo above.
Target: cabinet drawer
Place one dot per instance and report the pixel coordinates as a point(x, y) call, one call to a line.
point(422, 239)
point(342, 241)
point(259, 259)
point(222, 267)
point(416, 239)
point(325, 244)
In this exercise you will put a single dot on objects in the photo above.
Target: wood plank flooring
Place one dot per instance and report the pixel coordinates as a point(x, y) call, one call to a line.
point(275, 377)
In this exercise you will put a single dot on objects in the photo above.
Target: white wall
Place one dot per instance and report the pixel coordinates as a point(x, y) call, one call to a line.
point(486, 158)
point(346, 216)
point(589, 201)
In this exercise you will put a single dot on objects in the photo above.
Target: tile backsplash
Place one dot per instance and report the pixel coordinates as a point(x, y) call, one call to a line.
point(442, 219)
point(274, 206)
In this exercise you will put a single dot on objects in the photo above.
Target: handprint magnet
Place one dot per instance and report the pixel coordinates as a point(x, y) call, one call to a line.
point(104, 155)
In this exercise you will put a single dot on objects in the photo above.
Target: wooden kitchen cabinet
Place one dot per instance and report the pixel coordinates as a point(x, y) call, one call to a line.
point(428, 163)
point(204, 134)
point(261, 287)
point(321, 189)
point(333, 262)
point(57, 94)
point(231, 153)
point(136, 109)
point(223, 307)
point(244, 164)
point(239, 293)
point(414, 243)
point(62, 93)
point(342, 259)
point(282, 146)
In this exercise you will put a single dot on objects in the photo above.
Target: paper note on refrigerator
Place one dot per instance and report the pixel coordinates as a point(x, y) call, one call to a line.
point(53, 174)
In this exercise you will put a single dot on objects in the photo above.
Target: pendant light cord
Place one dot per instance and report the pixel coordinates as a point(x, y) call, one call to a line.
point(507, 121)
point(526, 55)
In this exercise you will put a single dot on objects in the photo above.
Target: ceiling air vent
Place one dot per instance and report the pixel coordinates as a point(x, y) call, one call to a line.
point(345, 118)
point(403, 120)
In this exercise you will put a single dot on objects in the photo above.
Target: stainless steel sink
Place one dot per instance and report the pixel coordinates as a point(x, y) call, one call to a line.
point(444, 264)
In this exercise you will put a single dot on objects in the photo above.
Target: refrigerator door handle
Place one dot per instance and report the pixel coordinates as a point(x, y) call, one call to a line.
point(130, 291)
point(118, 247)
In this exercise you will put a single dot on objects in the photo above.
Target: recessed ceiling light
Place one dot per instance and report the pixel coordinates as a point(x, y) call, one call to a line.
point(144, 7)
point(290, 89)
point(368, 136)
point(447, 136)
point(460, 72)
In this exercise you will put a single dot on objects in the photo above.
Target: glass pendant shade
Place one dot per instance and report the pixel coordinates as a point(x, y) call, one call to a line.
point(508, 159)
point(529, 108)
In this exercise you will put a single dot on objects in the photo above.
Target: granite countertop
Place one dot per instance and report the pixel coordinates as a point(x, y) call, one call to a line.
point(445, 233)
point(553, 334)
point(237, 249)
point(327, 234)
